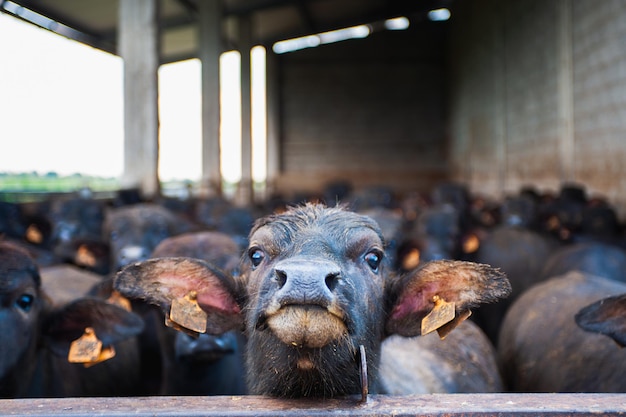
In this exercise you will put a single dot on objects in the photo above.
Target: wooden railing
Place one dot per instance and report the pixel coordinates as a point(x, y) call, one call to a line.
point(376, 405)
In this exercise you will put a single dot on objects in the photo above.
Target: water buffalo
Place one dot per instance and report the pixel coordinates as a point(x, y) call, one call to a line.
point(606, 316)
point(201, 364)
point(541, 349)
point(36, 338)
point(134, 231)
point(521, 253)
point(313, 296)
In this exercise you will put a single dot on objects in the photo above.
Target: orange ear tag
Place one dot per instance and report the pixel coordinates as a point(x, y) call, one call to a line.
point(411, 259)
point(187, 313)
point(105, 354)
point(88, 349)
point(34, 235)
point(471, 244)
point(84, 257)
point(178, 327)
point(442, 313)
point(445, 330)
point(118, 299)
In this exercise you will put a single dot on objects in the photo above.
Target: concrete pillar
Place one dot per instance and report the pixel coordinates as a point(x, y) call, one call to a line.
point(500, 116)
point(273, 121)
point(245, 192)
point(210, 42)
point(139, 48)
point(565, 88)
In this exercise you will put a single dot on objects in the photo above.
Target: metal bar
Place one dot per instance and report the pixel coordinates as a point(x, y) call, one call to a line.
point(461, 405)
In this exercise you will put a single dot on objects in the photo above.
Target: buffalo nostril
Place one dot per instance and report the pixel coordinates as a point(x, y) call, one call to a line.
point(331, 280)
point(281, 277)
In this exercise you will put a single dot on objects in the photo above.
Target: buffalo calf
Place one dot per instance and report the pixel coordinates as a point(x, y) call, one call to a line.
point(201, 364)
point(313, 293)
point(36, 338)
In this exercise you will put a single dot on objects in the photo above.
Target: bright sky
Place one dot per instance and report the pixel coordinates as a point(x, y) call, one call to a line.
point(61, 109)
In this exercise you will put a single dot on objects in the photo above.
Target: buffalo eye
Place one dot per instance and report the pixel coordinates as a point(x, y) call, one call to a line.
point(25, 302)
point(373, 259)
point(256, 256)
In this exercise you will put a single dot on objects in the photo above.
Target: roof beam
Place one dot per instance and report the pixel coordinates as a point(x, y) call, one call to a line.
point(76, 31)
point(419, 9)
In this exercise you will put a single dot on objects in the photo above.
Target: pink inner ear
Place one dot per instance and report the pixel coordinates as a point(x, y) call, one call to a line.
point(212, 294)
point(409, 304)
point(416, 298)
point(218, 300)
point(405, 306)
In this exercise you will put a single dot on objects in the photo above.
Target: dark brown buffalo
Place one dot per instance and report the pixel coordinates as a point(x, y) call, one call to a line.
point(313, 293)
point(541, 349)
point(521, 253)
point(201, 364)
point(606, 316)
point(134, 231)
point(35, 338)
point(596, 258)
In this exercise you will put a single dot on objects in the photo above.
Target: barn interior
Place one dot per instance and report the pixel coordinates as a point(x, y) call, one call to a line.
point(498, 96)
point(520, 102)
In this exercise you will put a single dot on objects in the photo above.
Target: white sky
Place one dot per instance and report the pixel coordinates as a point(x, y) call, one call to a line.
point(60, 104)
point(61, 109)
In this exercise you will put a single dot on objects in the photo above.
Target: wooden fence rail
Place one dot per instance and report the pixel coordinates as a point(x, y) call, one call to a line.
point(471, 405)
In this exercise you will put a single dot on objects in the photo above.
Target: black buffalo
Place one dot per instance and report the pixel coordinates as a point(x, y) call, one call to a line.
point(313, 293)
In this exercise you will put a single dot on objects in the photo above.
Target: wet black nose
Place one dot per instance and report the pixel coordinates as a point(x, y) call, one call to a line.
point(306, 281)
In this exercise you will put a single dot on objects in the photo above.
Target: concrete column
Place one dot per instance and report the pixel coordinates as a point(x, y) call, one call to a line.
point(500, 116)
point(139, 48)
point(565, 88)
point(245, 192)
point(273, 121)
point(210, 34)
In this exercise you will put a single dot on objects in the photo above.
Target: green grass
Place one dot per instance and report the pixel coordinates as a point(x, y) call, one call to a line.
point(26, 187)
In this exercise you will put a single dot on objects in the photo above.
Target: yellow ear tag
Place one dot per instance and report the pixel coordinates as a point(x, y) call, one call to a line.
point(84, 256)
point(187, 313)
point(119, 300)
point(86, 348)
point(442, 313)
point(34, 235)
point(411, 260)
point(178, 327)
point(471, 244)
point(445, 330)
point(105, 354)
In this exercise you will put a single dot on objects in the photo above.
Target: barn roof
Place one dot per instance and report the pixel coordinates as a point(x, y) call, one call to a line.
point(94, 22)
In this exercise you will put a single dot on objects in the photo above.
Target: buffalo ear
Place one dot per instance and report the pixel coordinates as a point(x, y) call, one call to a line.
point(607, 317)
point(459, 285)
point(163, 281)
point(111, 323)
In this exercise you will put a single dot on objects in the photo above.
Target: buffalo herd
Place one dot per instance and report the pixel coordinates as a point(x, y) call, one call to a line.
point(345, 292)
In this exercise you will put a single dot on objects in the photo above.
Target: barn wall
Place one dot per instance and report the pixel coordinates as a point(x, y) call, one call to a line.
point(370, 111)
point(538, 95)
point(599, 54)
